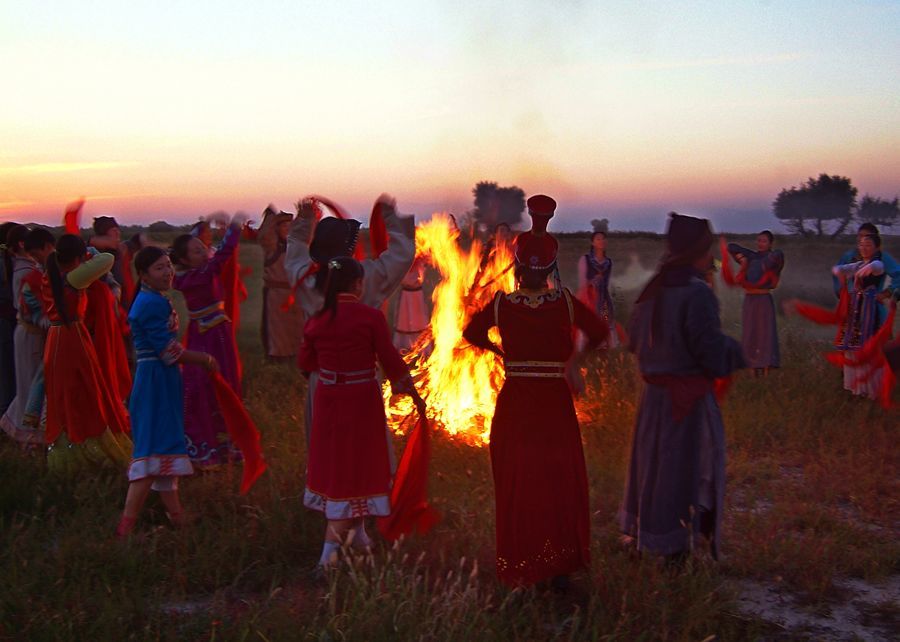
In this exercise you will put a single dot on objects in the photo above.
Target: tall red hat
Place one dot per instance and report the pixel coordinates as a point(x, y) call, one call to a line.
point(537, 249)
point(541, 209)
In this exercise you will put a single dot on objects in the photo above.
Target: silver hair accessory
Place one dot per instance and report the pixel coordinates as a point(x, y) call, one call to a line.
point(334, 265)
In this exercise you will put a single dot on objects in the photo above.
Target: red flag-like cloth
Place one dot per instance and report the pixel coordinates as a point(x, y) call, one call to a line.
point(241, 430)
point(235, 293)
point(108, 333)
point(727, 274)
point(378, 237)
point(72, 217)
point(129, 288)
point(824, 316)
point(871, 359)
point(410, 511)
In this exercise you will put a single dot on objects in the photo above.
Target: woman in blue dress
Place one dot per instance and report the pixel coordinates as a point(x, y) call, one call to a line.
point(864, 281)
point(157, 406)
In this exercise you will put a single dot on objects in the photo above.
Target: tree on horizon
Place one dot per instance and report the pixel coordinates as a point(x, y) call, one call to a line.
point(881, 212)
point(495, 205)
point(817, 201)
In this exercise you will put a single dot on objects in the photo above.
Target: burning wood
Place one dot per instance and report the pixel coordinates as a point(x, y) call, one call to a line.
point(459, 383)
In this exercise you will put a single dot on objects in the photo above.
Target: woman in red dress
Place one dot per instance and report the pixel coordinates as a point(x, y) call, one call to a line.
point(540, 479)
point(80, 403)
point(348, 473)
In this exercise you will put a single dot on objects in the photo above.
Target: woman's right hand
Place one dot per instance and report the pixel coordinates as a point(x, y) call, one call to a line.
point(211, 364)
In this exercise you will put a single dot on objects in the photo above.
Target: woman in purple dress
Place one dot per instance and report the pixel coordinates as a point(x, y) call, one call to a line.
point(198, 277)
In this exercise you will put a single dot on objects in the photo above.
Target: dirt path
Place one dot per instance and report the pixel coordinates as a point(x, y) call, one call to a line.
point(865, 611)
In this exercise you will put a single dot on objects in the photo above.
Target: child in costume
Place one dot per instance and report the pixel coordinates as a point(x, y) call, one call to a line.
point(349, 474)
point(160, 453)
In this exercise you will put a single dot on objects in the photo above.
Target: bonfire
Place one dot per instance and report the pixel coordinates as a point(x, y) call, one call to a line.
point(459, 382)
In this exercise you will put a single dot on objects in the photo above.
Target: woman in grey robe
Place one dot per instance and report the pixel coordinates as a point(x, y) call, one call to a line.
point(676, 478)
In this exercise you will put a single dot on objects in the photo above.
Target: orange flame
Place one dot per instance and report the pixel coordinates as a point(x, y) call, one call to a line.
point(459, 382)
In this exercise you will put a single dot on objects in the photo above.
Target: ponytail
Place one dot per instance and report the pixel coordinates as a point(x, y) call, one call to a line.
point(339, 277)
point(56, 286)
point(69, 249)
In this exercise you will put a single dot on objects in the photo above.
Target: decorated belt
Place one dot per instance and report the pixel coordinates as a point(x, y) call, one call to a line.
point(333, 378)
point(202, 313)
point(546, 369)
point(409, 289)
point(757, 291)
point(59, 324)
point(209, 317)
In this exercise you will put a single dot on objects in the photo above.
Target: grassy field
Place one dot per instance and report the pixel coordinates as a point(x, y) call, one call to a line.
point(812, 503)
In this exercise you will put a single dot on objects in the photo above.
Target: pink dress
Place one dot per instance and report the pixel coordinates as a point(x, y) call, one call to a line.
point(412, 311)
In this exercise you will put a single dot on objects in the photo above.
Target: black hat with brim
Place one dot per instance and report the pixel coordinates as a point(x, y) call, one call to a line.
point(333, 237)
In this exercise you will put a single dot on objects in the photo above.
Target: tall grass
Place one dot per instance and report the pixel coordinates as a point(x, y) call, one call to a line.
point(812, 495)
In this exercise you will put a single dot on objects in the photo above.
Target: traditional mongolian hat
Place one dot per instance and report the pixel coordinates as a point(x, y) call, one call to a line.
point(687, 238)
point(333, 237)
point(536, 249)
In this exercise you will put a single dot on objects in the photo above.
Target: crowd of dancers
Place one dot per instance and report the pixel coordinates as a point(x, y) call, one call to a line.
point(92, 366)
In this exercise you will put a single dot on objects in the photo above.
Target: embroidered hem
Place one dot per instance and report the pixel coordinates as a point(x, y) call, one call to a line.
point(375, 506)
point(160, 466)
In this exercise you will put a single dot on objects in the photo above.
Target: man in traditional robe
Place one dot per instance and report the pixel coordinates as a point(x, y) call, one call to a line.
point(676, 479)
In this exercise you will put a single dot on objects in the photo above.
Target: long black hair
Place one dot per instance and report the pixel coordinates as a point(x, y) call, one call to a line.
point(69, 248)
point(15, 239)
point(342, 273)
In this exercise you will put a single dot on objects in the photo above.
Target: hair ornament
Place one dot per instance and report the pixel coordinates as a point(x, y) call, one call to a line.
point(334, 265)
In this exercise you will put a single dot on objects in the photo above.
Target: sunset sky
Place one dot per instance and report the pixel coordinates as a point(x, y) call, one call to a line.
point(170, 110)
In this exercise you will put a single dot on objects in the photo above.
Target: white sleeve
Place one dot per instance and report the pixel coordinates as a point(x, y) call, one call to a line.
point(296, 258)
point(382, 276)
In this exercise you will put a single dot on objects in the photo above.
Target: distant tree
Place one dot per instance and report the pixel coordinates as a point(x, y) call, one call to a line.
point(818, 200)
point(494, 204)
point(878, 211)
point(160, 227)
